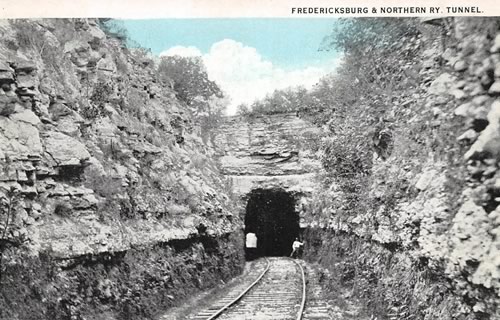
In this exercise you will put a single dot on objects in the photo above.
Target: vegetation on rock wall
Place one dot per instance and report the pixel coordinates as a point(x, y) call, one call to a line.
point(391, 284)
point(106, 180)
point(135, 284)
point(396, 185)
point(109, 169)
point(280, 101)
point(363, 105)
point(410, 193)
point(189, 79)
point(374, 90)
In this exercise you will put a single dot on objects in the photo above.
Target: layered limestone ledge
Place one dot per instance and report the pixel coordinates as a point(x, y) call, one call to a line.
point(269, 152)
point(295, 183)
point(270, 145)
point(66, 238)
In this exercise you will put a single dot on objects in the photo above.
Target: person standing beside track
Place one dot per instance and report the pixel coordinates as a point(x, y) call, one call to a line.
point(296, 248)
point(251, 246)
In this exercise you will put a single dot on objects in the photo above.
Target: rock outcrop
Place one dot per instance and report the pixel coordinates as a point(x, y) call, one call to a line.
point(434, 213)
point(98, 159)
point(269, 152)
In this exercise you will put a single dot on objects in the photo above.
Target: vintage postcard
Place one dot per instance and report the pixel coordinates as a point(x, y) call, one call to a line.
point(268, 159)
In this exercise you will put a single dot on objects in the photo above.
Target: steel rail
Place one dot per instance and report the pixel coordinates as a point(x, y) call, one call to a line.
point(303, 302)
point(232, 302)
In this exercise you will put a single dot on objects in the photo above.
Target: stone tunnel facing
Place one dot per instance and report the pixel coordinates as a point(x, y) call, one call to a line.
point(271, 215)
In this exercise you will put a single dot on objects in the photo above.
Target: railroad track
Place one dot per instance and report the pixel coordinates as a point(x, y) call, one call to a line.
point(278, 292)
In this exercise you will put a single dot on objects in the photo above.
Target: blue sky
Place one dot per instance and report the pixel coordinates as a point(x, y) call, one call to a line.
point(241, 54)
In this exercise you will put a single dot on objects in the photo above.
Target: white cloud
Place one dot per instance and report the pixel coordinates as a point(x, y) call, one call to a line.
point(244, 74)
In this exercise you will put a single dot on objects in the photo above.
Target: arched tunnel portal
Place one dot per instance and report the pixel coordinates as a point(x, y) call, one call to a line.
point(271, 215)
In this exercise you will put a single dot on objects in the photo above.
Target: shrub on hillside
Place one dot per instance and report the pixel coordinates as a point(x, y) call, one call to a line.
point(114, 29)
point(359, 104)
point(192, 85)
point(292, 99)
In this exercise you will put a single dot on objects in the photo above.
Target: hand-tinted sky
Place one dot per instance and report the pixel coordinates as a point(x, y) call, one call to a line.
point(242, 54)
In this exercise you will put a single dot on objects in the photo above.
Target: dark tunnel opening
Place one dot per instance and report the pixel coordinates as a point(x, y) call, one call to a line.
point(271, 215)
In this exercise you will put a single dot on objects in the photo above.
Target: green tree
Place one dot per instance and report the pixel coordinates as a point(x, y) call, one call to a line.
point(291, 99)
point(243, 110)
point(379, 53)
point(114, 28)
point(358, 103)
point(190, 79)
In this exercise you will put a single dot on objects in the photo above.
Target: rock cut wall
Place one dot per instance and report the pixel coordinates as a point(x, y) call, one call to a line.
point(101, 169)
point(267, 152)
point(431, 252)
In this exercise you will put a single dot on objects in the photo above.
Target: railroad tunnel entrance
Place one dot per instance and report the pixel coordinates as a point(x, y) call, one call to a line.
point(271, 215)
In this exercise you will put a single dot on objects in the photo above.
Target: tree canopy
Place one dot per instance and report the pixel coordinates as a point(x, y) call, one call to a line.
point(190, 78)
point(191, 83)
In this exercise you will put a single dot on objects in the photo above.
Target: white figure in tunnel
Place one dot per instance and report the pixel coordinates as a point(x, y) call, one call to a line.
point(251, 246)
point(296, 248)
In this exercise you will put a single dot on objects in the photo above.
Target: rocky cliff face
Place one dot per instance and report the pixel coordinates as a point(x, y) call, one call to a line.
point(112, 206)
point(101, 167)
point(432, 252)
point(269, 152)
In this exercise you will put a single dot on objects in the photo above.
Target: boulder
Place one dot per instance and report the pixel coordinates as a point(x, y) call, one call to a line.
point(6, 73)
point(488, 142)
point(96, 34)
point(458, 94)
point(20, 139)
point(7, 105)
point(449, 54)
point(64, 149)
point(76, 45)
point(469, 235)
point(425, 180)
point(474, 110)
point(4, 66)
point(442, 84)
point(70, 125)
point(460, 66)
point(26, 80)
point(495, 88)
point(79, 50)
point(469, 135)
point(23, 65)
point(27, 116)
point(58, 110)
point(106, 64)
